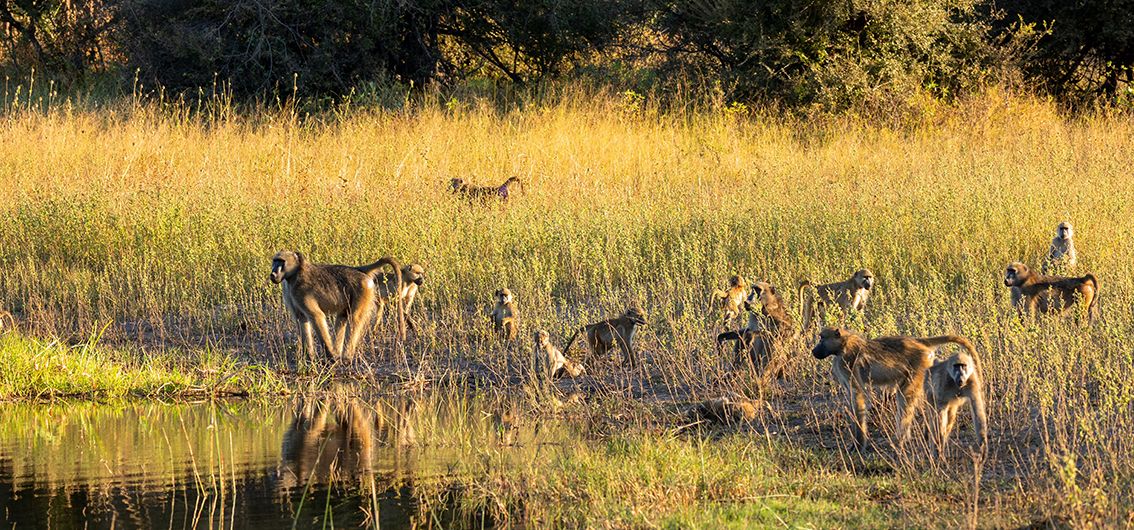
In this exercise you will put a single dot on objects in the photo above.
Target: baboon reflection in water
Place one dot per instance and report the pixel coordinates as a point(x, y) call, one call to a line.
point(335, 439)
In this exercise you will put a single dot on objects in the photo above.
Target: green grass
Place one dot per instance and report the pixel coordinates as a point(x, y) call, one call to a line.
point(34, 368)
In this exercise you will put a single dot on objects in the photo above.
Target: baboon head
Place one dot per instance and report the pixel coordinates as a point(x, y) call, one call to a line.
point(737, 281)
point(864, 279)
point(285, 264)
point(503, 296)
point(541, 337)
point(413, 273)
point(759, 291)
point(832, 341)
point(636, 315)
point(457, 184)
point(961, 370)
point(1064, 231)
point(1015, 274)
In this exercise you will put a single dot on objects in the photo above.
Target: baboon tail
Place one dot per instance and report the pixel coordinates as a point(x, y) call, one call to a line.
point(953, 339)
point(571, 341)
point(397, 294)
point(805, 304)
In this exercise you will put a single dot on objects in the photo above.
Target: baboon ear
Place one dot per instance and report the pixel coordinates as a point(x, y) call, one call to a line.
point(299, 257)
point(772, 289)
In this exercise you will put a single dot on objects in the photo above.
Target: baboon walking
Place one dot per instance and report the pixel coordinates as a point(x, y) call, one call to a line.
point(862, 364)
point(314, 292)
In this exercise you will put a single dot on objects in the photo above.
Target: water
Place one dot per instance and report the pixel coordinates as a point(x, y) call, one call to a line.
point(302, 463)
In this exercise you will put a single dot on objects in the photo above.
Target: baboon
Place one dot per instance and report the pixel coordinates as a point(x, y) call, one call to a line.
point(1050, 294)
point(1061, 257)
point(603, 336)
point(313, 292)
point(952, 382)
point(731, 299)
point(503, 314)
point(412, 276)
point(726, 411)
point(848, 294)
point(885, 362)
point(769, 328)
point(460, 187)
point(326, 440)
point(550, 363)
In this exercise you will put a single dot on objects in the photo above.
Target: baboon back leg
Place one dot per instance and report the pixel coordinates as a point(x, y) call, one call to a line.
point(908, 400)
point(359, 318)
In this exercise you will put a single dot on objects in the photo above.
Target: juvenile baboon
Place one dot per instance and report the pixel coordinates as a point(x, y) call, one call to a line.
point(769, 328)
point(412, 276)
point(550, 363)
point(1050, 294)
point(460, 187)
point(313, 292)
point(7, 321)
point(725, 411)
point(603, 336)
point(731, 299)
point(848, 294)
point(1061, 257)
point(885, 362)
point(503, 314)
point(952, 383)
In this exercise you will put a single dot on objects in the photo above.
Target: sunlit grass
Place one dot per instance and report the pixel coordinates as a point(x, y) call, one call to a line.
point(163, 223)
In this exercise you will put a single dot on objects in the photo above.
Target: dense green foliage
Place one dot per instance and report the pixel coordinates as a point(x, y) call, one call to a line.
point(835, 53)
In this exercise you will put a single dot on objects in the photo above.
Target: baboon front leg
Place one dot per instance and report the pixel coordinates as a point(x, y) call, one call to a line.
point(628, 354)
point(861, 415)
point(320, 320)
point(944, 426)
point(980, 420)
point(306, 337)
point(340, 333)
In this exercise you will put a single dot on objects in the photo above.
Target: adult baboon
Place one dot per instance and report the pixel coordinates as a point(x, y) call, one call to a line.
point(313, 292)
point(862, 364)
point(848, 294)
point(1050, 294)
point(502, 192)
point(602, 336)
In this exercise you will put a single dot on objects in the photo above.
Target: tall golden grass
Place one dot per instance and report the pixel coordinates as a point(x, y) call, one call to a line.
point(162, 218)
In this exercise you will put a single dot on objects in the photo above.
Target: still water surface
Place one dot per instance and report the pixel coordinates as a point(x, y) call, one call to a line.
point(303, 463)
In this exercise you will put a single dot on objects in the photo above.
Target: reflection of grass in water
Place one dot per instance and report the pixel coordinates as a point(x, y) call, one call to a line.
point(32, 368)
